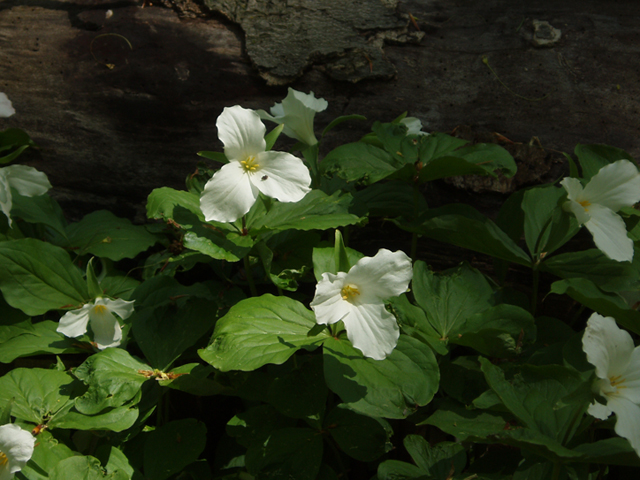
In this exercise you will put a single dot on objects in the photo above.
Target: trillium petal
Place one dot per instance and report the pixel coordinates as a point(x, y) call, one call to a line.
point(578, 210)
point(74, 323)
point(281, 176)
point(17, 444)
point(615, 186)
point(414, 126)
point(6, 109)
point(573, 187)
point(122, 308)
point(385, 275)
point(27, 180)
point(327, 303)
point(372, 330)
point(607, 346)
point(5, 196)
point(297, 112)
point(228, 195)
point(631, 376)
point(309, 100)
point(105, 327)
point(600, 411)
point(628, 421)
point(609, 233)
point(241, 132)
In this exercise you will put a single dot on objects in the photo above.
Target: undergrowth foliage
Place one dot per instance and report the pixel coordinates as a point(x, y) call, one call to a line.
point(251, 340)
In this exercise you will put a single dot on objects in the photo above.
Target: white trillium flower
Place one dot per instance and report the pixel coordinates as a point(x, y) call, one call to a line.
point(357, 298)
point(26, 180)
point(99, 313)
point(6, 109)
point(235, 187)
point(610, 349)
point(16, 448)
point(615, 186)
point(414, 126)
point(297, 112)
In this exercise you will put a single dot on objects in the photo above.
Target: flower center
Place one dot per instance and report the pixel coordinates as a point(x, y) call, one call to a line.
point(100, 309)
point(618, 382)
point(350, 291)
point(585, 204)
point(3, 459)
point(250, 165)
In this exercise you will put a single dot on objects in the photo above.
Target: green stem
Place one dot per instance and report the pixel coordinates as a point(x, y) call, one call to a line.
point(247, 271)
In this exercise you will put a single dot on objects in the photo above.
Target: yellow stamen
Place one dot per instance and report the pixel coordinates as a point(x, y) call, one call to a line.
point(349, 291)
point(250, 164)
point(3, 459)
point(100, 309)
point(617, 381)
point(585, 204)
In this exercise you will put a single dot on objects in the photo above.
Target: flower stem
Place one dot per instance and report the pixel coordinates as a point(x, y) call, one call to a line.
point(249, 275)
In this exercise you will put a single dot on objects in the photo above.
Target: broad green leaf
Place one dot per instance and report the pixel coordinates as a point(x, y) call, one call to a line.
point(37, 277)
point(440, 461)
point(607, 304)
point(83, 468)
point(392, 388)
point(114, 460)
point(172, 447)
point(38, 394)
point(316, 211)
point(359, 436)
point(462, 379)
point(324, 260)
point(162, 201)
point(338, 120)
point(13, 139)
point(47, 454)
point(451, 297)
point(465, 227)
point(37, 339)
point(194, 378)
point(397, 470)
point(115, 419)
point(272, 136)
point(103, 234)
point(215, 156)
point(593, 157)
point(359, 162)
point(468, 424)
point(261, 330)
point(253, 427)
point(40, 209)
point(164, 333)
point(390, 199)
point(413, 321)
point(113, 376)
point(611, 451)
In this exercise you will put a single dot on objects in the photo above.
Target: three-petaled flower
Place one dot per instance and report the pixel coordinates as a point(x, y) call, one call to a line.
point(25, 180)
point(414, 126)
point(610, 349)
point(357, 298)
point(615, 186)
point(297, 112)
point(6, 109)
point(232, 190)
point(98, 314)
point(16, 448)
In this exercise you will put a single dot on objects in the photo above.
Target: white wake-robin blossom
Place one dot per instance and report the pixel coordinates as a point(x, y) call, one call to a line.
point(16, 448)
point(25, 180)
point(235, 187)
point(610, 349)
point(98, 314)
point(615, 186)
point(357, 298)
point(414, 126)
point(297, 112)
point(6, 109)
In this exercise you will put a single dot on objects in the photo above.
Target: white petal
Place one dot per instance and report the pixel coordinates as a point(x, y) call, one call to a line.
point(281, 176)
point(5, 196)
point(27, 180)
point(609, 233)
point(414, 126)
point(631, 376)
point(385, 275)
point(327, 303)
point(17, 444)
point(299, 110)
point(122, 308)
point(74, 323)
point(6, 109)
point(578, 210)
point(607, 346)
point(600, 411)
point(228, 195)
point(573, 187)
point(307, 99)
point(241, 132)
point(277, 110)
point(372, 330)
point(628, 421)
point(105, 327)
point(615, 186)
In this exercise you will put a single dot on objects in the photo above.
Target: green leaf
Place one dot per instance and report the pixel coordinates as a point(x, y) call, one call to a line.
point(340, 254)
point(465, 227)
point(162, 201)
point(93, 285)
point(115, 419)
point(47, 454)
point(173, 446)
point(324, 260)
point(13, 138)
point(389, 199)
point(38, 394)
point(261, 330)
point(113, 376)
point(215, 156)
point(593, 157)
point(194, 378)
point(83, 468)
point(611, 451)
point(37, 277)
point(607, 304)
point(391, 388)
point(397, 470)
point(40, 209)
point(359, 162)
point(39, 338)
point(413, 321)
point(272, 136)
point(338, 120)
point(359, 436)
point(103, 234)
point(467, 424)
point(316, 211)
point(440, 461)
point(164, 333)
